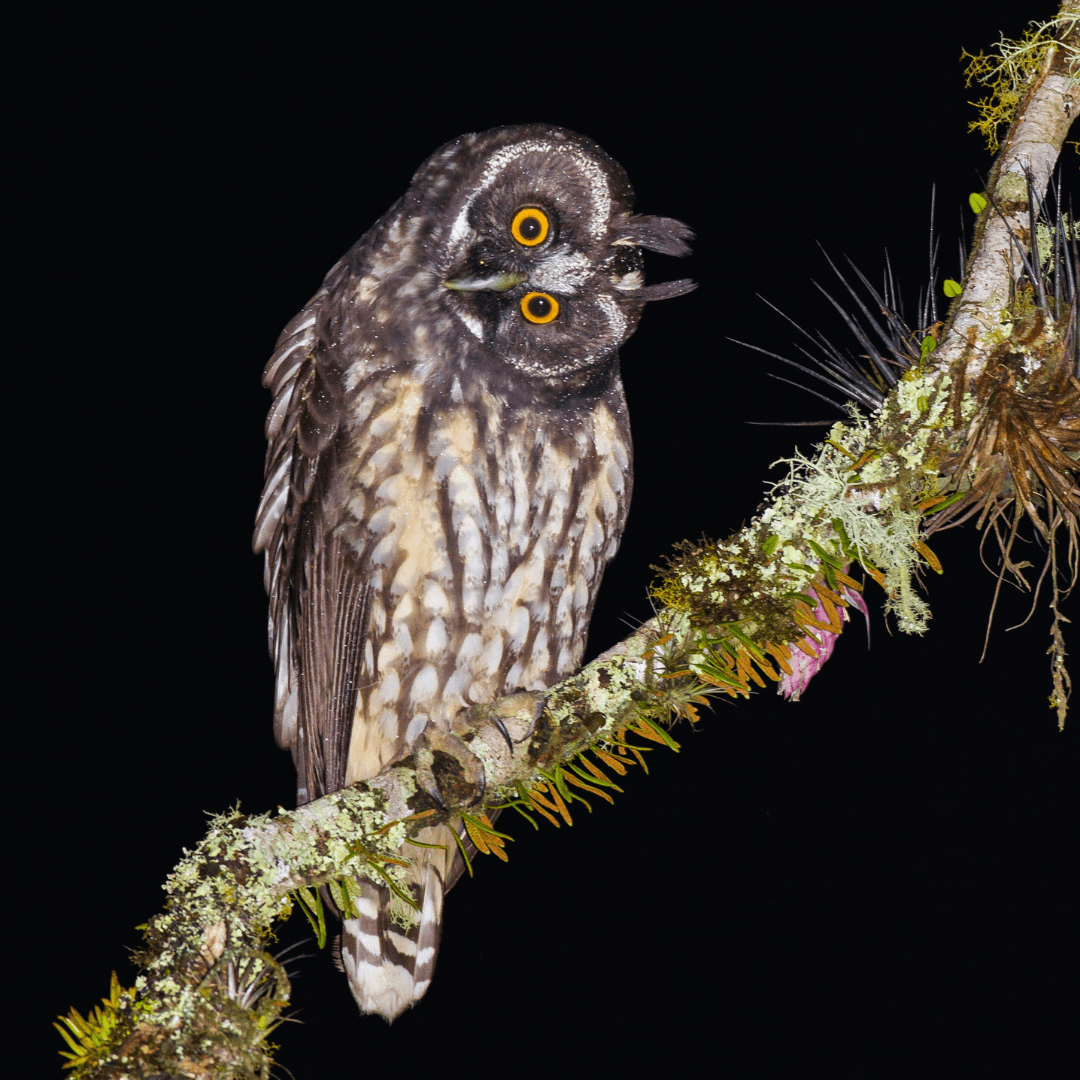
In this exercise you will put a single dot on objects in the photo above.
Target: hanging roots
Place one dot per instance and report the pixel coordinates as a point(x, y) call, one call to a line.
point(1021, 458)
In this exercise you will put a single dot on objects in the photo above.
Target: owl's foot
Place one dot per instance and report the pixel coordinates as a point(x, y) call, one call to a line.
point(447, 770)
point(514, 718)
point(454, 776)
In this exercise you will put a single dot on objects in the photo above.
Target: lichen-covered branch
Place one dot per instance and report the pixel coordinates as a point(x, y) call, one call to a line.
point(985, 421)
point(210, 995)
point(765, 604)
point(1044, 110)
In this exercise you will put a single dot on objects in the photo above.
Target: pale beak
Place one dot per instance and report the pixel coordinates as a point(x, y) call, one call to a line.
point(493, 283)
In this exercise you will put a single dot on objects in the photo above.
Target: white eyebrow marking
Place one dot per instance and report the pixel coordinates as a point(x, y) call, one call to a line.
point(561, 272)
point(594, 175)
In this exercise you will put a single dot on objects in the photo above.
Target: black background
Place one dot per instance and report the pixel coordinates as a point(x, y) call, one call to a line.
point(873, 882)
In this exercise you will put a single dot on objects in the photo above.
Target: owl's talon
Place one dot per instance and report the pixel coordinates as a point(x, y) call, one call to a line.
point(501, 728)
point(426, 780)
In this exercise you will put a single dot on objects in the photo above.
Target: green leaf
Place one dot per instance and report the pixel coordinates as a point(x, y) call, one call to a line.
point(487, 829)
point(956, 496)
point(770, 545)
point(827, 557)
point(311, 906)
point(845, 540)
point(464, 855)
point(722, 676)
point(68, 1039)
point(952, 288)
point(593, 779)
point(560, 783)
point(926, 347)
point(672, 744)
point(746, 643)
point(830, 577)
point(978, 202)
point(342, 897)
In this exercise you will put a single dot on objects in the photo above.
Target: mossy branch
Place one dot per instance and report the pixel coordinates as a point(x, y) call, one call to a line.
point(1047, 106)
point(766, 604)
point(1007, 73)
point(987, 422)
point(209, 994)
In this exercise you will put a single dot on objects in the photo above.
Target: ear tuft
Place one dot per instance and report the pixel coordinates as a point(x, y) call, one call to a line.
point(665, 290)
point(662, 234)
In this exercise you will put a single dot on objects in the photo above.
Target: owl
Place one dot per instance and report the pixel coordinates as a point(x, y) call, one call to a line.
point(448, 473)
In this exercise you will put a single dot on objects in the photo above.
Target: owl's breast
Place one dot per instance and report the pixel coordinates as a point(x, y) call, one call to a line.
point(482, 532)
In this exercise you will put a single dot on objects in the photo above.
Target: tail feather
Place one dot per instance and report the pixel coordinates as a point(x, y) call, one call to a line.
point(428, 932)
point(388, 966)
point(379, 968)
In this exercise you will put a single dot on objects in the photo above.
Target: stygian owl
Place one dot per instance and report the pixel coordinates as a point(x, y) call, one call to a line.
point(448, 474)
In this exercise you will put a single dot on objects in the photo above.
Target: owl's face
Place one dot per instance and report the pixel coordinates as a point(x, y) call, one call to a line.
point(533, 247)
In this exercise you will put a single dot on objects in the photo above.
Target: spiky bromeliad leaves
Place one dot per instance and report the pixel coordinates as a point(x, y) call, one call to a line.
point(1021, 453)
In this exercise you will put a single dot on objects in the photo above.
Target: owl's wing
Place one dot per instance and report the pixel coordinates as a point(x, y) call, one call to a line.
point(316, 590)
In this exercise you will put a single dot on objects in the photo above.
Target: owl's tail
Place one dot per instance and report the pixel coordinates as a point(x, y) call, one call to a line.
point(389, 966)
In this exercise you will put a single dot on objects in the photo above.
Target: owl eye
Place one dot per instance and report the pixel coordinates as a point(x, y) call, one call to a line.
point(530, 226)
point(538, 307)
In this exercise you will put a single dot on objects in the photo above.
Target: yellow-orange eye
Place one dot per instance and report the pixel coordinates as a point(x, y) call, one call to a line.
point(530, 227)
point(538, 307)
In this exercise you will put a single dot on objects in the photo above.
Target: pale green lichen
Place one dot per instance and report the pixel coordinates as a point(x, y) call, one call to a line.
point(869, 505)
point(1007, 74)
point(1045, 238)
point(856, 496)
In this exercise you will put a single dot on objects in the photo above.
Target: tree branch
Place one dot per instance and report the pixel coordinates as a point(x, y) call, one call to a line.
point(766, 604)
point(1031, 148)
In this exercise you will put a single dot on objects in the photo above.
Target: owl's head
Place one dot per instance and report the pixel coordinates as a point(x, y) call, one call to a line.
point(531, 236)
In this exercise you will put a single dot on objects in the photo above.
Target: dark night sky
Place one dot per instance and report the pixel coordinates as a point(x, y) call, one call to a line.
point(872, 882)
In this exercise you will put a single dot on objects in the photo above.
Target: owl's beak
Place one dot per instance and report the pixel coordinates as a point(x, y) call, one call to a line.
point(493, 282)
